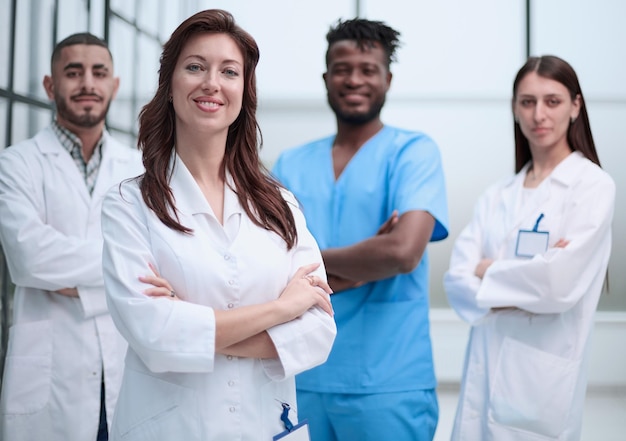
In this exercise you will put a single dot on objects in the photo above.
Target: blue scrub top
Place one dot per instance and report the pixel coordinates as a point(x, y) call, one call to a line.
point(383, 339)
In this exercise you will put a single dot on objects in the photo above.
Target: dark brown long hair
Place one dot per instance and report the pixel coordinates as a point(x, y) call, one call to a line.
point(579, 133)
point(258, 192)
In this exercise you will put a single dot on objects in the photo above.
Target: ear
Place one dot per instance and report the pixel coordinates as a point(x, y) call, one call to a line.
point(576, 104)
point(48, 85)
point(388, 79)
point(116, 86)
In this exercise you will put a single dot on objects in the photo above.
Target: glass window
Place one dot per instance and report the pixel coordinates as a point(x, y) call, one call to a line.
point(148, 19)
point(5, 44)
point(28, 120)
point(125, 8)
point(122, 36)
point(170, 19)
point(3, 126)
point(33, 46)
point(72, 17)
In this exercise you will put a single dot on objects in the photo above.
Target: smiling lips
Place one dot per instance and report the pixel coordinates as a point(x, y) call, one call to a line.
point(208, 103)
point(87, 98)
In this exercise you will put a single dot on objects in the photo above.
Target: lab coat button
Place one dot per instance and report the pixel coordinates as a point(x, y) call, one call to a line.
point(231, 383)
point(232, 409)
point(231, 306)
point(226, 257)
point(229, 357)
point(231, 282)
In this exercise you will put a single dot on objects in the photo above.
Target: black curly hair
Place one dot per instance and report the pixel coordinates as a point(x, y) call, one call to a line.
point(365, 33)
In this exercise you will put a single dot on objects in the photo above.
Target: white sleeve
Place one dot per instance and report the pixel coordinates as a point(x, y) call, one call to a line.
point(38, 255)
point(167, 335)
point(460, 283)
point(305, 342)
point(555, 281)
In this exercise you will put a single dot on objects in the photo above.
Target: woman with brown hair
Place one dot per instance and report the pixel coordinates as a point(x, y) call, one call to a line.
point(237, 303)
point(527, 272)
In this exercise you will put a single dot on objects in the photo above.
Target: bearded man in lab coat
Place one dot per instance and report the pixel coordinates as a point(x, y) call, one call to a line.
point(65, 357)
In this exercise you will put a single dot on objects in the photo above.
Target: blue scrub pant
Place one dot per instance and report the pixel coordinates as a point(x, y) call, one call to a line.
point(398, 416)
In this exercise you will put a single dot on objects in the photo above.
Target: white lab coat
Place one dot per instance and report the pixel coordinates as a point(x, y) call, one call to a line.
point(175, 386)
point(58, 345)
point(525, 368)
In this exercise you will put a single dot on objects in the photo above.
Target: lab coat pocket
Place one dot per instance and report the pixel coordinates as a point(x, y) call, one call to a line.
point(270, 396)
point(28, 367)
point(532, 390)
point(150, 408)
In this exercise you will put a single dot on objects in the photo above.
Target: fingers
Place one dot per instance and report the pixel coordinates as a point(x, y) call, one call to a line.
point(153, 269)
point(160, 286)
point(319, 283)
point(325, 304)
point(561, 243)
point(305, 270)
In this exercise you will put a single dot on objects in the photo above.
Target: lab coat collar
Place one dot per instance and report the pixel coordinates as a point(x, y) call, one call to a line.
point(189, 198)
point(564, 174)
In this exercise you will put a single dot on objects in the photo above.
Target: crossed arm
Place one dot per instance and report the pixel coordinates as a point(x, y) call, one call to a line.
point(397, 248)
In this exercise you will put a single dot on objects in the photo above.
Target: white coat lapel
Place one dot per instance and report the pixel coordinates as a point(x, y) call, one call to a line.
point(60, 158)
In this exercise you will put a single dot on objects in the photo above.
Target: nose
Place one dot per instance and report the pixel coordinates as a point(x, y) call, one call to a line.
point(540, 112)
point(354, 79)
point(88, 82)
point(210, 81)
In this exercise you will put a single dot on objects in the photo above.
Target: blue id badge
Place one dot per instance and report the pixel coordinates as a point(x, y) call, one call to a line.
point(531, 242)
point(299, 432)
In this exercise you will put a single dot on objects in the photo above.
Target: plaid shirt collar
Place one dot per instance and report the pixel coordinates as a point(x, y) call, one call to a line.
point(72, 143)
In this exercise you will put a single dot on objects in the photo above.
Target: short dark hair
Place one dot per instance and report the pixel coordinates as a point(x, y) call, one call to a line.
point(365, 33)
point(79, 38)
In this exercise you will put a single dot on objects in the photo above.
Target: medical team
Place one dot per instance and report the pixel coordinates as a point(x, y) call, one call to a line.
point(227, 281)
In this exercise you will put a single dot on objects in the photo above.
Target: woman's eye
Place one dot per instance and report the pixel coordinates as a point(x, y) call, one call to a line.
point(193, 67)
point(231, 72)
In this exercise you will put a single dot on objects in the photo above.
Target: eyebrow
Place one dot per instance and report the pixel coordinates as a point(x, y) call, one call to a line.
point(81, 66)
point(200, 57)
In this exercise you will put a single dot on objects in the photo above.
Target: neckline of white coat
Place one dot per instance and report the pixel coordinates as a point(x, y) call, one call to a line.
point(190, 200)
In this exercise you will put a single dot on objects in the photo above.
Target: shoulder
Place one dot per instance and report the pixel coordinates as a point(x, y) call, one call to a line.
point(126, 192)
point(289, 198)
point(411, 141)
point(307, 150)
point(119, 149)
point(580, 171)
point(26, 151)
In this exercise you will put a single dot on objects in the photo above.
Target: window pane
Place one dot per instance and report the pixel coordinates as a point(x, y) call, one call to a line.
point(28, 120)
point(125, 8)
point(3, 126)
point(122, 46)
point(148, 18)
point(5, 44)
point(34, 42)
point(73, 17)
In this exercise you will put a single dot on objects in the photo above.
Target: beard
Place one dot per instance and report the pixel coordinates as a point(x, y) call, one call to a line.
point(356, 118)
point(86, 119)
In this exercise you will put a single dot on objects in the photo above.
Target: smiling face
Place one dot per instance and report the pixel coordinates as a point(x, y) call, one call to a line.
point(208, 84)
point(82, 86)
point(357, 81)
point(544, 110)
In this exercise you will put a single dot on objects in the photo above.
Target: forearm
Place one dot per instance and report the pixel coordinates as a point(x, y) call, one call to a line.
point(384, 255)
point(257, 346)
point(369, 260)
point(234, 327)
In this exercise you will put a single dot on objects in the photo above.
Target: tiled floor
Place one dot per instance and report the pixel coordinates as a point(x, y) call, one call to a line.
point(604, 419)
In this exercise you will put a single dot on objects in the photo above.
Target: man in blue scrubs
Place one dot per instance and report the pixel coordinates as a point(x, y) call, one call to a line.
point(373, 196)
